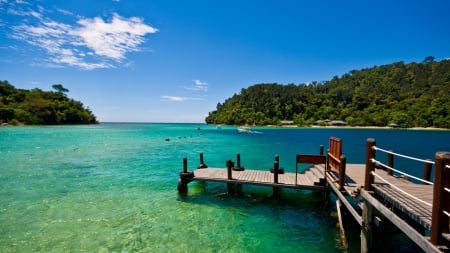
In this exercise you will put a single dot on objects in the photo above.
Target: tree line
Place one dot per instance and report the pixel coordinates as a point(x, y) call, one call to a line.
point(38, 107)
point(408, 95)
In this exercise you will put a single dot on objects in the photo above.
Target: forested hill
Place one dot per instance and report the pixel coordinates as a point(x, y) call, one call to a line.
point(409, 95)
point(37, 107)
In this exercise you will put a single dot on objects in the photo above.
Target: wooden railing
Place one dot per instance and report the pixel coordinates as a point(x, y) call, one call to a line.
point(336, 161)
point(428, 165)
point(440, 217)
point(441, 195)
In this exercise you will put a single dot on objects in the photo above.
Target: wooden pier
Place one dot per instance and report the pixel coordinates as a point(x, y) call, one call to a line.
point(420, 210)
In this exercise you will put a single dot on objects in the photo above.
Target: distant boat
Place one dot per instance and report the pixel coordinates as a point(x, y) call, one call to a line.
point(244, 129)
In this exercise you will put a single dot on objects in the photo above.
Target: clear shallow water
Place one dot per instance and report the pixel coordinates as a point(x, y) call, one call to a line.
point(112, 188)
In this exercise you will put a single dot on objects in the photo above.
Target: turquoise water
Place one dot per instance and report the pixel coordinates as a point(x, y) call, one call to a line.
point(112, 188)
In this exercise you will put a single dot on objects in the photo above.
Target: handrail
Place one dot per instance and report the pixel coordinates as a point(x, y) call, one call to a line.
point(334, 158)
point(440, 207)
point(400, 172)
point(439, 222)
point(404, 156)
point(400, 190)
point(390, 161)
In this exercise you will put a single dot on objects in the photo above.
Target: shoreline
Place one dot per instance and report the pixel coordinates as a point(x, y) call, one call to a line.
point(353, 127)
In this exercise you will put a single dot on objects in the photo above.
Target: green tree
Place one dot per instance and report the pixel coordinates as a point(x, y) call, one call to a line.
point(60, 88)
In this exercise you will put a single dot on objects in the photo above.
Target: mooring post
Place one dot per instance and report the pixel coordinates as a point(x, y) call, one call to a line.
point(370, 166)
point(184, 179)
point(202, 164)
point(229, 166)
point(441, 189)
point(276, 190)
point(280, 170)
point(342, 165)
point(390, 163)
point(230, 186)
point(185, 165)
point(238, 166)
point(427, 171)
point(275, 172)
point(321, 150)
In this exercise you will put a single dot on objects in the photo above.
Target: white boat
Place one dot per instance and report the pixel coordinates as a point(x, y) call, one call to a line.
point(244, 129)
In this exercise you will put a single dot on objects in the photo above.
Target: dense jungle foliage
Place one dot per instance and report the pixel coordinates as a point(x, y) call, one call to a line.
point(408, 95)
point(37, 107)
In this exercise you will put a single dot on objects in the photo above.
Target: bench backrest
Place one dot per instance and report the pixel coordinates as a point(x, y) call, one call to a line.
point(334, 154)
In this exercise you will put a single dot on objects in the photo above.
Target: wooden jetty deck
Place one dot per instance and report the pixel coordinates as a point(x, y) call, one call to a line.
point(310, 179)
point(392, 190)
point(421, 211)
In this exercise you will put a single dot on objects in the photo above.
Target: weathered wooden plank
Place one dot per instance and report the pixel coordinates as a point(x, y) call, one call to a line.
point(349, 207)
point(258, 177)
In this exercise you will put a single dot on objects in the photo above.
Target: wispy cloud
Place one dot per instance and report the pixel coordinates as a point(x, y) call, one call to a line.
point(177, 98)
point(89, 43)
point(198, 86)
point(65, 12)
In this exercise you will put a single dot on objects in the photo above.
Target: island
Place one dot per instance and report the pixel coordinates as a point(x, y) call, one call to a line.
point(38, 107)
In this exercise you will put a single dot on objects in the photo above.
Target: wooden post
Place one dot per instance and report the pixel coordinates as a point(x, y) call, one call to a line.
point(185, 165)
point(370, 154)
point(202, 164)
point(229, 166)
point(230, 177)
point(390, 163)
point(439, 220)
point(366, 228)
point(276, 190)
point(342, 165)
point(427, 171)
point(185, 176)
point(275, 171)
point(238, 167)
point(327, 166)
point(321, 150)
point(280, 170)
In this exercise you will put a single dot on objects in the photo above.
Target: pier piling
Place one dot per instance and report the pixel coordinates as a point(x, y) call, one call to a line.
point(276, 190)
point(280, 170)
point(185, 177)
point(238, 166)
point(202, 164)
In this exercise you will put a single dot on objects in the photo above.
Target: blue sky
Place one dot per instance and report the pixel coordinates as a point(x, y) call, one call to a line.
point(173, 61)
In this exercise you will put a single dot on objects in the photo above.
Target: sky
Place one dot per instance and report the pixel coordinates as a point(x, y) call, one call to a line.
point(174, 61)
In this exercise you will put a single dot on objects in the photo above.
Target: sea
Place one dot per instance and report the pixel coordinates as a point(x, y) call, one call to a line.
point(112, 187)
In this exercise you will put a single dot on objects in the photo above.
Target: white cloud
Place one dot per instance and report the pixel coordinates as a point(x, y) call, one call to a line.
point(91, 43)
point(114, 39)
point(65, 12)
point(177, 98)
point(30, 13)
point(198, 86)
